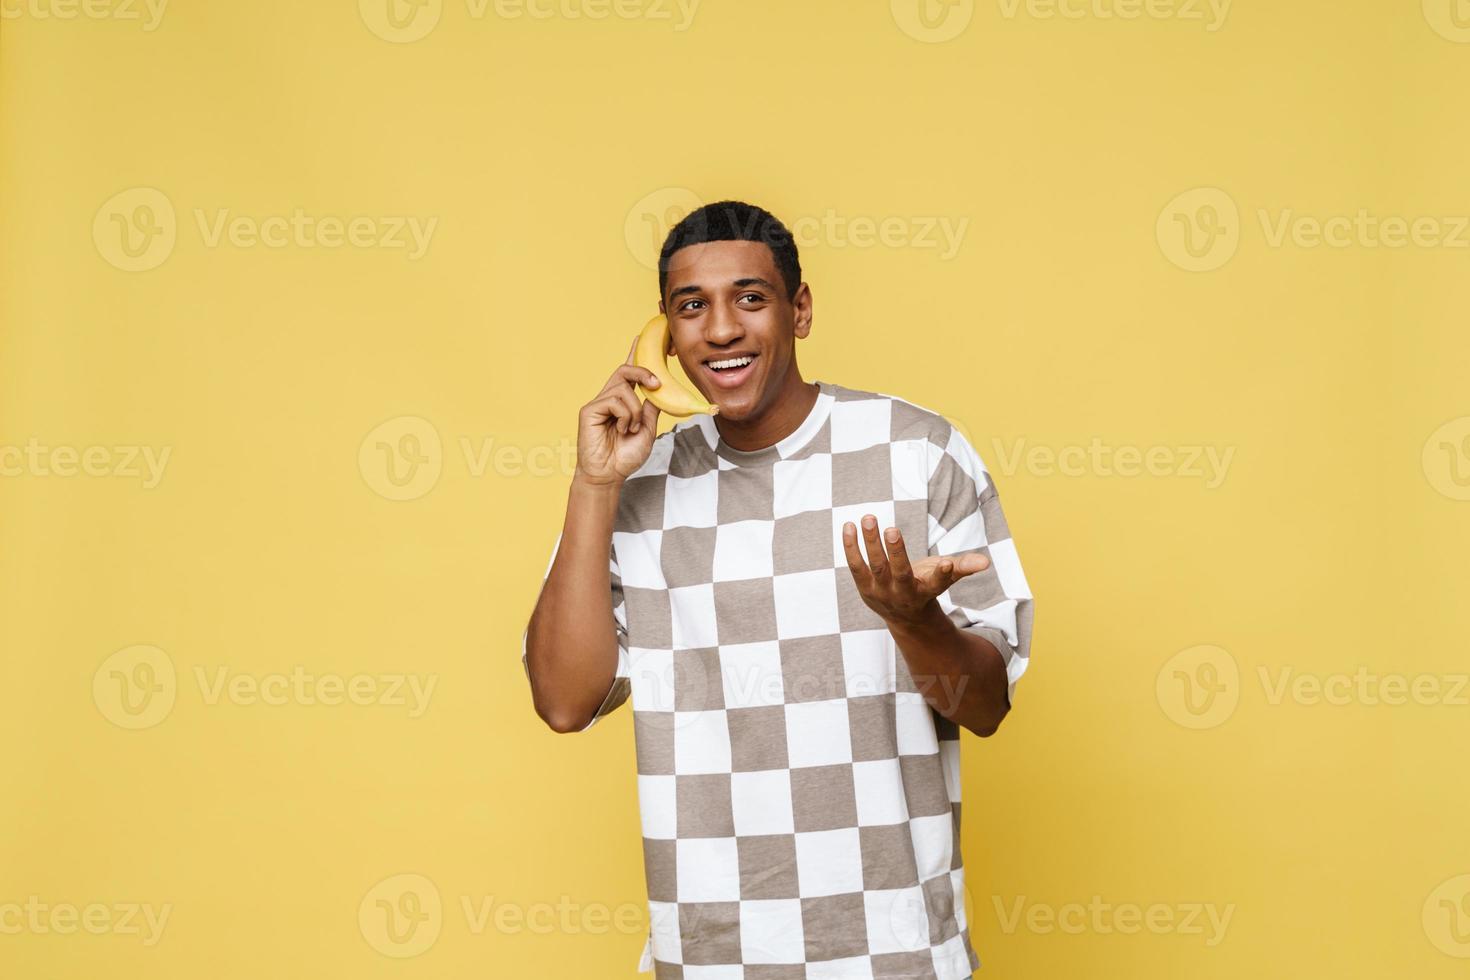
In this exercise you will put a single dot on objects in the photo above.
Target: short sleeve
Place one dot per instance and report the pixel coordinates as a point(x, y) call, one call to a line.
point(617, 693)
point(965, 515)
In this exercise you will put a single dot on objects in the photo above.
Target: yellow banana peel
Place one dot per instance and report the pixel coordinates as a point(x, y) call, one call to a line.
point(671, 395)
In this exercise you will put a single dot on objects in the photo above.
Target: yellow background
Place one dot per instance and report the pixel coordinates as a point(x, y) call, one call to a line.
point(546, 149)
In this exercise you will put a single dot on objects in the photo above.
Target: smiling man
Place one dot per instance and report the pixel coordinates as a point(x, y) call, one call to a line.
point(806, 597)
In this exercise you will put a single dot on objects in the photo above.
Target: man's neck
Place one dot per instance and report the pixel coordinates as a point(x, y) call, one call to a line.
point(784, 416)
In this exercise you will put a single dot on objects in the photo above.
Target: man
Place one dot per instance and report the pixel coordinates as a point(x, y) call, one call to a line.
point(797, 696)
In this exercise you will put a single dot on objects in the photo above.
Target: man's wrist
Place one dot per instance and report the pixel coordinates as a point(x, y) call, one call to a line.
point(928, 620)
point(582, 483)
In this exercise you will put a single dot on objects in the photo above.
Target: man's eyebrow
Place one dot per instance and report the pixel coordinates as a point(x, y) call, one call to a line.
point(741, 283)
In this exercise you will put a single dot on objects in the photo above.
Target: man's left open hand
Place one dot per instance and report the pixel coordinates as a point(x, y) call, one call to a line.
point(892, 587)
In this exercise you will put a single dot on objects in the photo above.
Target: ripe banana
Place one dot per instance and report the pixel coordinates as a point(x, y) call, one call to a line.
point(671, 395)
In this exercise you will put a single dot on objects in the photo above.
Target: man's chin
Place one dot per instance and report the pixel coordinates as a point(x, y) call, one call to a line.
point(733, 406)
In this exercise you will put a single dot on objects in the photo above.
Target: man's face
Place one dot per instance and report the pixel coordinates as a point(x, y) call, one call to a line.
point(724, 301)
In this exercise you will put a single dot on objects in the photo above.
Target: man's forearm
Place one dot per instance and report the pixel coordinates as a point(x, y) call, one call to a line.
point(961, 674)
point(571, 647)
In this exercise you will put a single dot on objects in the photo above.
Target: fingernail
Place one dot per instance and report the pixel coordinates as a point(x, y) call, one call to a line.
point(892, 534)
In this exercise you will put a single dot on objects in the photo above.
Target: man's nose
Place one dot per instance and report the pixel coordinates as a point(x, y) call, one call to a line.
point(724, 326)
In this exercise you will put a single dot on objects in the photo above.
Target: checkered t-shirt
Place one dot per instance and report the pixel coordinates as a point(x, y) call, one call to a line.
point(800, 800)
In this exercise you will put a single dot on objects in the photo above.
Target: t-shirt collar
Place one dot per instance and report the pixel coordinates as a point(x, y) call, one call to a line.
point(783, 449)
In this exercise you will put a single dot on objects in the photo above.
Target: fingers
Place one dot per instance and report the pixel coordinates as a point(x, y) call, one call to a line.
point(898, 556)
point(628, 374)
point(969, 563)
point(944, 576)
point(952, 568)
point(976, 563)
point(877, 559)
point(650, 416)
point(632, 407)
point(619, 405)
point(854, 558)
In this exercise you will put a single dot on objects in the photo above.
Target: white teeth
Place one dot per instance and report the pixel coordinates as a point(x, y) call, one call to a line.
point(732, 362)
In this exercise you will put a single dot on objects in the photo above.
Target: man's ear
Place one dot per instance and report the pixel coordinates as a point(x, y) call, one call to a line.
point(802, 303)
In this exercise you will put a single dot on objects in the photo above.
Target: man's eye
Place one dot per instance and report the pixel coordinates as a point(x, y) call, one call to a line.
point(755, 296)
point(690, 303)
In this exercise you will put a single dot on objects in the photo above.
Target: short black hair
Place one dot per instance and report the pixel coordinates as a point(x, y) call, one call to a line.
point(733, 221)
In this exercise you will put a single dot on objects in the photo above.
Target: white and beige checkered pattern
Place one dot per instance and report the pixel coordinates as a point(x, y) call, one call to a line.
point(800, 800)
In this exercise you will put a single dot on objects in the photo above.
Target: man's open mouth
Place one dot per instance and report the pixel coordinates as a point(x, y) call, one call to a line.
point(730, 372)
